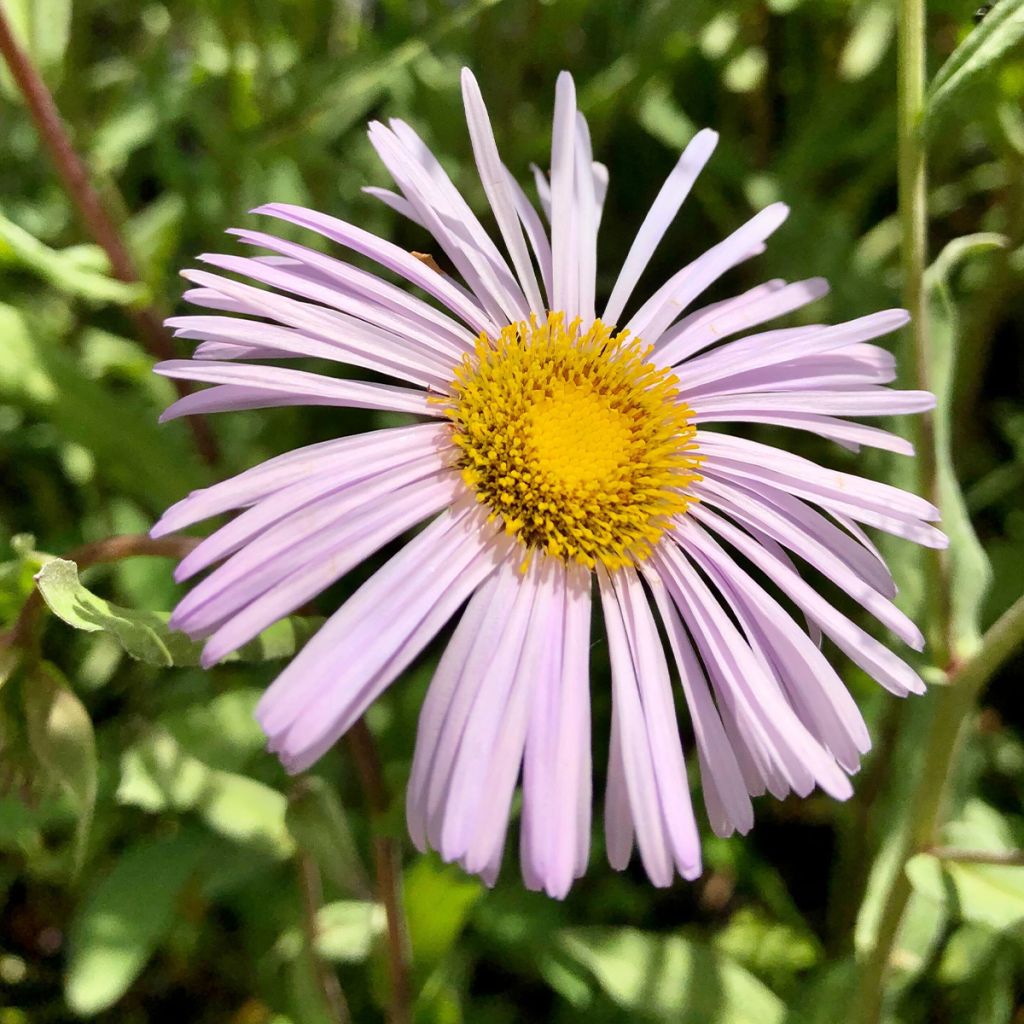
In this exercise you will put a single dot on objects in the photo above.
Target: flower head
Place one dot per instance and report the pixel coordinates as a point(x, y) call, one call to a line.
point(557, 455)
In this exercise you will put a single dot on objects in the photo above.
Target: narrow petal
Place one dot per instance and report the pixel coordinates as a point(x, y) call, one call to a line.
point(666, 305)
point(345, 549)
point(649, 753)
point(395, 444)
point(277, 385)
point(555, 835)
point(771, 347)
point(373, 636)
point(508, 724)
point(849, 546)
point(388, 255)
point(722, 319)
point(853, 402)
point(586, 222)
point(655, 690)
point(564, 255)
point(494, 179)
point(725, 792)
point(811, 684)
point(742, 506)
point(661, 214)
point(753, 695)
point(876, 659)
point(305, 534)
point(475, 636)
point(849, 435)
point(294, 509)
point(370, 297)
point(460, 235)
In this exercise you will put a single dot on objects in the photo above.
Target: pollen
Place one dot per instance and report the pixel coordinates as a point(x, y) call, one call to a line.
point(573, 439)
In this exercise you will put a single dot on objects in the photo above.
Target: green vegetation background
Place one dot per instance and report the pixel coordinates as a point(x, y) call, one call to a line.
point(176, 898)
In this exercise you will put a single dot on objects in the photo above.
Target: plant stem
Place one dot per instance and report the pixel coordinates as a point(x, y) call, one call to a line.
point(913, 214)
point(326, 979)
point(86, 200)
point(387, 863)
point(950, 715)
point(955, 855)
point(110, 549)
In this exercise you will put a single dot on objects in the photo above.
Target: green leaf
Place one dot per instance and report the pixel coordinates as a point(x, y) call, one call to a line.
point(980, 968)
point(985, 894)
point(873, 29)
point(1001, 31)
point(61, 737)
point(21, 373)
point(317, 822)
point(80, 271)
point(145, 634)
point(769, 949)
point(671, 977)
point(158, 775)
point(36, 372)
point(223, 732)
point(154, 232)
point(346, 930)
point(43, 29)
point(438, 899)
point(969, 566)
point(119, 927)
point(345, 933)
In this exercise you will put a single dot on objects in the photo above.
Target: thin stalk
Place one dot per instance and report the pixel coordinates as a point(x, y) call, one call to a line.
point(387, 863)
point(951, 715)
point(326, 979)
point(956, 855)
point(913, 214)
point(73, 174)
point(111, 549)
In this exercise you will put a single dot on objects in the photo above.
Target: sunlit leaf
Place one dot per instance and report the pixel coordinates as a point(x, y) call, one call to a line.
point(985, 894)
point(38, 374)
point(1000, 32)
point(871, 37)
point(60, 734)
point(43, 29)
point(157, 775)
point(438, 900)
point(144, 634)
point(117, 929)
point(78, 272)
point(671, 977)
point(769, 949)
point(969, 565)
point(980, 966)
point(346, 929)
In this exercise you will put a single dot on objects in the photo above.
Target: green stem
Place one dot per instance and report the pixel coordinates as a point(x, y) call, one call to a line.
point(950, 715)
point(913, 213)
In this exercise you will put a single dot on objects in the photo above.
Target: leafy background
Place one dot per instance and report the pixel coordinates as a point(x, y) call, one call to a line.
point(151, 852)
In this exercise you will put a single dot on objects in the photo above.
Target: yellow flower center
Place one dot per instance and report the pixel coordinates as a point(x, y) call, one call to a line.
point(579, 445)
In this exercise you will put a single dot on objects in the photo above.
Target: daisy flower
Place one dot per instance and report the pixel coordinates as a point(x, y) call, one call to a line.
point(559, 459)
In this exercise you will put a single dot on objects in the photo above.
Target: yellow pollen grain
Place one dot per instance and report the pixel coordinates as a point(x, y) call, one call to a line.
point(578, 444)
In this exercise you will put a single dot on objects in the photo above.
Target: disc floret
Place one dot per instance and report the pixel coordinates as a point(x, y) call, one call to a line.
point(575, 440)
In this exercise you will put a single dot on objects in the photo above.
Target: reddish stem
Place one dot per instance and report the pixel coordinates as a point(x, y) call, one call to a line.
point(86, 200)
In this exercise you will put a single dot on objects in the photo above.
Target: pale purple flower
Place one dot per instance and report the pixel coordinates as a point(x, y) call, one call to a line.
point(554, 460)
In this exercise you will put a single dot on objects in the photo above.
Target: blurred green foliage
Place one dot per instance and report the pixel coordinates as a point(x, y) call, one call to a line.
point(150, 850)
